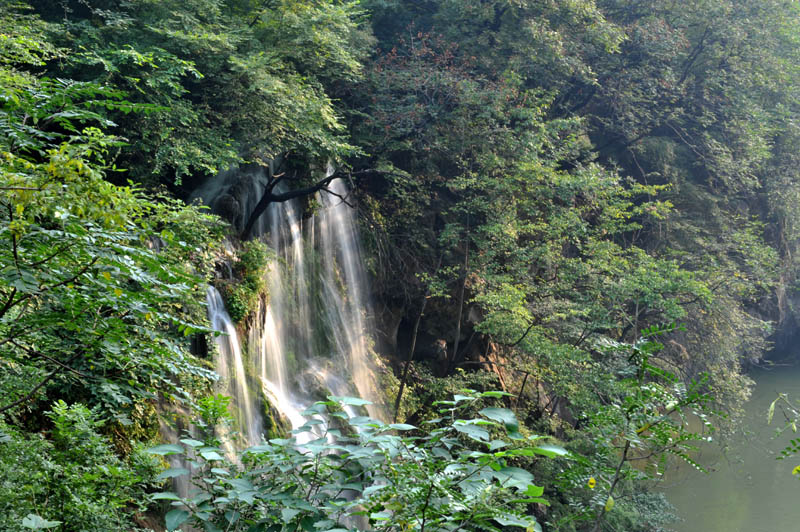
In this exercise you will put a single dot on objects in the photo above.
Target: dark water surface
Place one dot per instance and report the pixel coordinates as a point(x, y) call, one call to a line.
point(748, 490)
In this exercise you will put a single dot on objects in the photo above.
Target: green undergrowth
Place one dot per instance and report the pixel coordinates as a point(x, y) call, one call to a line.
point(243, 293)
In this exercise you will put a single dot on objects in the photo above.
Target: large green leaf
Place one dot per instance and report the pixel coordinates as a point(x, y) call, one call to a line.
point(172, 473)
point(514, 477)
point(471, 430)
point(176, 518)
point(166, 449)
point(35, 522)
point(513, 520)
point(551, 451)
point(506, 417)
point(351, 401)
point(502, 415)
point(165, 495)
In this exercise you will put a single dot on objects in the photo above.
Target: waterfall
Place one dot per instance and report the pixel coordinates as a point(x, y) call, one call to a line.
point(312, 336)
point(231, 369)
point(344, 279)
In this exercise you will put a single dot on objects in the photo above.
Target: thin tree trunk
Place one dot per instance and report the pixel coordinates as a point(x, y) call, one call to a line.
point(410, 358)
point(460, 305)
point(522, 387)
point(617, 476)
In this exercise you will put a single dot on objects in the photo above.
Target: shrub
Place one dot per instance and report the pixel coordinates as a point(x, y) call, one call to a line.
point(242, 295)
point(458, 475)
point(72, 482)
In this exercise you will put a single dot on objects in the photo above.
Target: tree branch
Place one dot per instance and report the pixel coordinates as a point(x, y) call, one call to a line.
point(270, 197)
point(34, 353)
point(322, 184)
point(37, 387)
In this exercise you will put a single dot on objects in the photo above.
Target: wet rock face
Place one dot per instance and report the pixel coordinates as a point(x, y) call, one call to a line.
point(228, 207)
point(786, 316)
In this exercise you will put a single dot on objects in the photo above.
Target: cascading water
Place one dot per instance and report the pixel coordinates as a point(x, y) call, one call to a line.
point(312, 337)
point(343, 278)
point(231, 369)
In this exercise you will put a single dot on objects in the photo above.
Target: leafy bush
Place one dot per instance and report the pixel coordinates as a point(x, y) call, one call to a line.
point(72, 482)
point(341, 471)
point(643, 422)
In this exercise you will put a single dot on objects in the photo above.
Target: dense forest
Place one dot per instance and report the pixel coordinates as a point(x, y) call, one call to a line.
point(576, 221)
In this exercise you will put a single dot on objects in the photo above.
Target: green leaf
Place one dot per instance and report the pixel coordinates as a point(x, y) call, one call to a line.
point(372, 489)
point(514, 477)
point(241, 484)
point(534, 491)
point(402, 426)
point(34, 522)
point(502, 415)
point(551, 451)
point(771, 411)
point(497, 444)
point(472, 431)
point(166, 449)
point(165, 495)
point(287, 514)
point(351, 401)
point(175, 518)
point(495, 394)
point(513, 520)
point(531, 500)
point(506, 417)
point(211, 455)
point(172, 473)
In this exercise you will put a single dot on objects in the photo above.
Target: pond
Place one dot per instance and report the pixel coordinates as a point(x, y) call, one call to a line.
point(748, 489)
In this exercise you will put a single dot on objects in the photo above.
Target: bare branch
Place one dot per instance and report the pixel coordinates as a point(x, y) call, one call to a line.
point(270, 197)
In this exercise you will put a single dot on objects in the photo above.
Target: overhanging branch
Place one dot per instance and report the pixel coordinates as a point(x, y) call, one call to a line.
point(321, 185)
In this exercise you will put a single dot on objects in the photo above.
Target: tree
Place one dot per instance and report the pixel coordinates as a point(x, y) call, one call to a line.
point(644, 419)
point(228, 81)
point(95, 279)
point(73, 481)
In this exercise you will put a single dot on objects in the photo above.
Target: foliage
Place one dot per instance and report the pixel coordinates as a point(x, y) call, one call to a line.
point(456, 474)
point(228, 81)
point(573, 185)
point(72, 481)
point(644, 421)
point(243, 293)
point(791, 415)
point(96, 279)
point(542, 181)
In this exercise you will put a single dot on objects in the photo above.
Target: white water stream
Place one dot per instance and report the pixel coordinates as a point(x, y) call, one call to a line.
point(229, 364)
